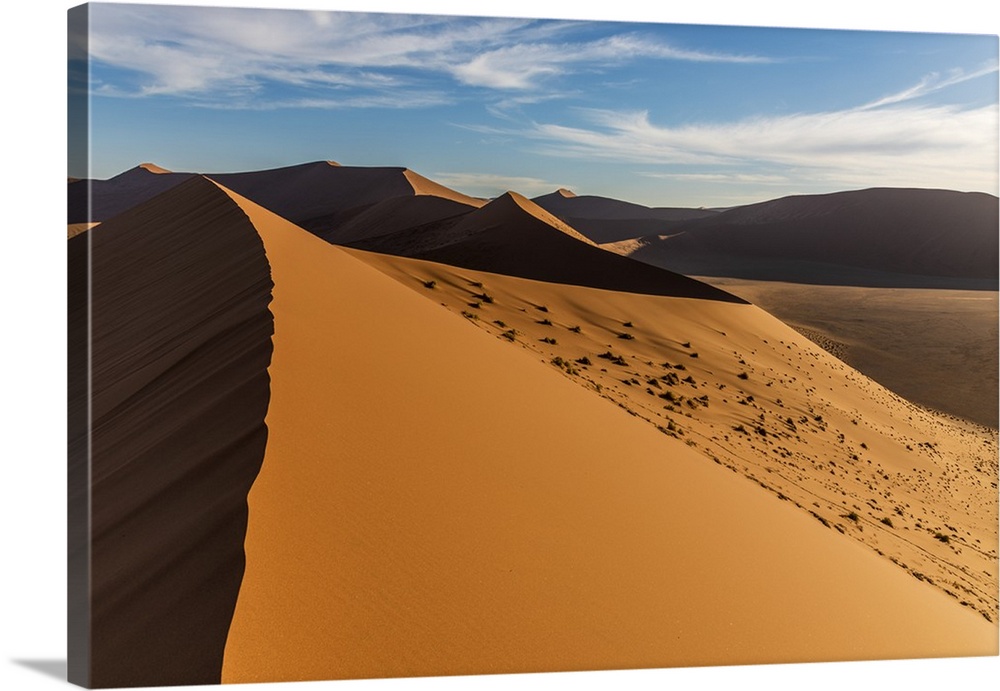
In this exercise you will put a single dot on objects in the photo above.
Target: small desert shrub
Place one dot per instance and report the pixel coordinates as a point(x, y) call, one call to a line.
point(541, 308)
point(510, 335)
point(686, 344)
point(887, 521)
point(694, 354)
point(680, 367)
point(852, 516)
point(550, 341)
point(575, 329)
point(743, 375)
point(469, 315)
point(476, 284)
point(430, 284)
point(545, 322)
point(627, 325)
point(564, 365)
point(626, 336)
point(741, 429)
point(475, 305)
point(499, 323)
point(584, 361)
point(942, 537)
point(616, 359)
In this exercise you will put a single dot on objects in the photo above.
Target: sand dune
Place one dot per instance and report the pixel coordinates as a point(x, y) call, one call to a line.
point(462, 507)
point(753, 395)
point(180, 338)
point(513, 235)
point(876, 237)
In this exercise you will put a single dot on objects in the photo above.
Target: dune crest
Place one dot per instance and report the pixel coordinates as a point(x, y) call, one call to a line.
point(425, 186)
point(153, 168)
point(542, 215)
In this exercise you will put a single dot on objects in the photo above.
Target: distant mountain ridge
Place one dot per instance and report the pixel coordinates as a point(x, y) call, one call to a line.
point(604, 219)
point(943, 236)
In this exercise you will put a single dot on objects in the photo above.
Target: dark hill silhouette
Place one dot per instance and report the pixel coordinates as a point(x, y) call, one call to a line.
point(110, 197)
point(603, 219)
point(318, 196)
point(881, 236)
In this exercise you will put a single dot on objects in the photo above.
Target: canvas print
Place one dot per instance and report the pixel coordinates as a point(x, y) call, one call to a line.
point(409, 345)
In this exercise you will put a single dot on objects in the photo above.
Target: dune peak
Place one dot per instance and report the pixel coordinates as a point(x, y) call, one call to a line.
point(533, 209)
point(153, 168)
point(563, 192)
point(334, 164)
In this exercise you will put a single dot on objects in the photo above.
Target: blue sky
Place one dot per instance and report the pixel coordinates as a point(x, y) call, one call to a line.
point(659, 114)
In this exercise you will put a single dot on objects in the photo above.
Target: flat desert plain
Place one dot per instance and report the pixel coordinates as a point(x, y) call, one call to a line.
point(935, 347)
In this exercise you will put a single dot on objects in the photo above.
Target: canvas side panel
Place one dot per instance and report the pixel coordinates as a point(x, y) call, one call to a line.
point(78, 366)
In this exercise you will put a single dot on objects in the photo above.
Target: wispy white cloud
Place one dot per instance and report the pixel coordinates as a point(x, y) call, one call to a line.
point(929, 84)
point(732, 178)
point(490, 185)
point(523, 66)
point(222, 53)
point(903, 145)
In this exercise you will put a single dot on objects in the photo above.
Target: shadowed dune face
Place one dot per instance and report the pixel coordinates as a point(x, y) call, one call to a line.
point(460, 507)
point(392, 216)
point(514, 236)
point(180, 348)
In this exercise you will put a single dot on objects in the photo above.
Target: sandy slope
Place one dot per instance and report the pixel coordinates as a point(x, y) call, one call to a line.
point(801, 423)
point(434, 500)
